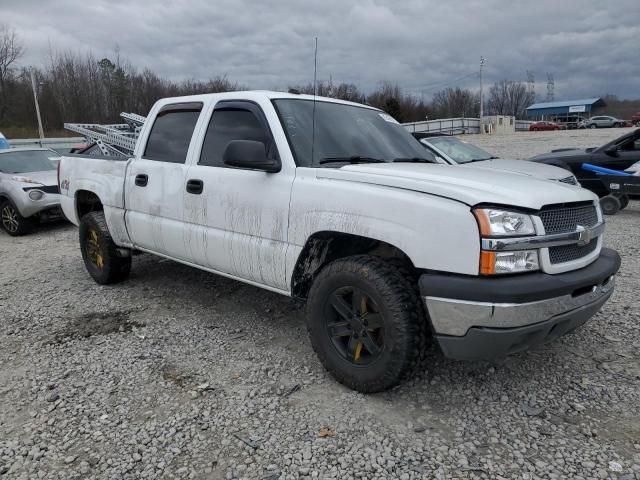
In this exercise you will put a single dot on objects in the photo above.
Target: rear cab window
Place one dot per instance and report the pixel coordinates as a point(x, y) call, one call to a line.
point(171, 132)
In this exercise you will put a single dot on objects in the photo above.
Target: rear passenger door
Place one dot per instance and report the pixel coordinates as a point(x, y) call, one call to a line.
point(155, 184)
point(237, 223)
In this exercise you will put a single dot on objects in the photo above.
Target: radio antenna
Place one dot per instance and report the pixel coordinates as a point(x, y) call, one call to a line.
point(313, 118)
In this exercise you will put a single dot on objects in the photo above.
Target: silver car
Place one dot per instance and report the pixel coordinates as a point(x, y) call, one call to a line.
point(28, 188)
point(453, 151)
point(602, 121)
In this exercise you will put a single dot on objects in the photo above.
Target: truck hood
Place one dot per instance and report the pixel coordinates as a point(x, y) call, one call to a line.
point(48, 177)
point(532, 169)
point(471, 186)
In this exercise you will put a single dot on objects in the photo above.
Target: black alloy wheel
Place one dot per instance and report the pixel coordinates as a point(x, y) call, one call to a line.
point(355, 325)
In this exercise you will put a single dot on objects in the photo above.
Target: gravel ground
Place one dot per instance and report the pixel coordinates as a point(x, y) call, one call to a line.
point(177, 373)
point(523, 145)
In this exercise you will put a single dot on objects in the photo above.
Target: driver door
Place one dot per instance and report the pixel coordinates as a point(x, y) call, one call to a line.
point(629, 152)
point(236, 222)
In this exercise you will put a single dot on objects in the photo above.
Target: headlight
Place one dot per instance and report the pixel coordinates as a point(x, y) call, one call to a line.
point(503, 223)
point(36, 195)
point(494, 222)
point(496, 263)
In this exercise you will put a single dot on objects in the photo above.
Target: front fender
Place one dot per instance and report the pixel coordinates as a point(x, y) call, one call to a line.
point(434, 232)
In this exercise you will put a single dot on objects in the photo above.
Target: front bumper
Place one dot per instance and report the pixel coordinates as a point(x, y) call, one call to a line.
point(29, 208)
point(476, 317)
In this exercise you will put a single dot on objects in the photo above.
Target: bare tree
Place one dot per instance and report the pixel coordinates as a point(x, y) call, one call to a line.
point(343, 91)
point(11, 50)
point(455, 102)
point(402, 106)
point(508, 97)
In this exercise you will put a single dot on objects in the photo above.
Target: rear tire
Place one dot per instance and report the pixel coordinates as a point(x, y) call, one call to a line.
point(12, 222)
point(99, 252)
point(610, 205)
point(366, 322)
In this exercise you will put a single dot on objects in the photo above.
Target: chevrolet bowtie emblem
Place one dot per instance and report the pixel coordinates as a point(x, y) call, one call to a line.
point(584, 235)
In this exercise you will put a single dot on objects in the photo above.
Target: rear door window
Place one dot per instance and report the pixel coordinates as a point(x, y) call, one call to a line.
point(171, 132)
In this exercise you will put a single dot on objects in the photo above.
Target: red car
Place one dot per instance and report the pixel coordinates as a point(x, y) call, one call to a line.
point(540, 126)
point(635, 119)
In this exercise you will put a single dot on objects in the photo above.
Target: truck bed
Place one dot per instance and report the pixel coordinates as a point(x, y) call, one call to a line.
point(103, 176)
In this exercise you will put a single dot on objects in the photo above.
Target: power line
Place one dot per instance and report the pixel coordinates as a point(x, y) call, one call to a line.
point(432, 86)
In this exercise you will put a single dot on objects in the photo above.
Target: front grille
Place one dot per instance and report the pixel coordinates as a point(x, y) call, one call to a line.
point(567, 218)
point(570, 180)
point(568, 253)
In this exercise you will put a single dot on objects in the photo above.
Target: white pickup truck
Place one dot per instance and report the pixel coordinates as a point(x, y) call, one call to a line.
point(335, 203)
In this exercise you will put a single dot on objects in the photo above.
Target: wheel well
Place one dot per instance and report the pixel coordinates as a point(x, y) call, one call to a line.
point(87, 202)
point(324, 247)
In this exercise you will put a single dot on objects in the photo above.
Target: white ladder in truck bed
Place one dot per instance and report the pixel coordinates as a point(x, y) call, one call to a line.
point(112, 140)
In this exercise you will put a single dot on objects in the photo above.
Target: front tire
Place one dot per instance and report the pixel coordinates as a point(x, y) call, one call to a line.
point(12, 222)
point(366, 322)
point(99, 252)
point(593, 125)
point(624, 201)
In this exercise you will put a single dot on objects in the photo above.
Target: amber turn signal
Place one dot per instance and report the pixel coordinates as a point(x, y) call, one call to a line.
point(487, 263)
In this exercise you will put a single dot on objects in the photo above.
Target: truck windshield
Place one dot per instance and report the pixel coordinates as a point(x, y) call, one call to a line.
point(26, 161)
point(344, 134)
point(459, 151)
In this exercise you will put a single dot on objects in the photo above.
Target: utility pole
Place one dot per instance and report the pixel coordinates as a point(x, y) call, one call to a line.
point(35, 99)
point(481, 100)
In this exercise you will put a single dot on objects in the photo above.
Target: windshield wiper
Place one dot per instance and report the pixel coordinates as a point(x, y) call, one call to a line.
point(480, 159)
point(412, 160)
point(351, 159)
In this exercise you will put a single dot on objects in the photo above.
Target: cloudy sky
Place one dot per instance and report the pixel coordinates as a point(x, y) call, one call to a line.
point(590, 46)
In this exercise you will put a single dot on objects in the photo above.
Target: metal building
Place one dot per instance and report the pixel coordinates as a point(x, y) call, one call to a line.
point(559, 110)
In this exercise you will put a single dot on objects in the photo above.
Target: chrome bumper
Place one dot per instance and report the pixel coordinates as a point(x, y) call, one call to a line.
point(455, 317)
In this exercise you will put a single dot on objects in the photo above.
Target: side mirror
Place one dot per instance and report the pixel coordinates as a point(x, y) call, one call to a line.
point(612, 151)
point(250, 155)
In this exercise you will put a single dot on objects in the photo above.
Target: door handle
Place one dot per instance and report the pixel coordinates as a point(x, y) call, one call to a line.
point(142, 180)
point(195, 186)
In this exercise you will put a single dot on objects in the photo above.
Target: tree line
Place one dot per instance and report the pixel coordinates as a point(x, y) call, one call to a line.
point(87, 89)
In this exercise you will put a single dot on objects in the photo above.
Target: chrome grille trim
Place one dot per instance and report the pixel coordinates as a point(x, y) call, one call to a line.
point(570, 180)
point(576, 237)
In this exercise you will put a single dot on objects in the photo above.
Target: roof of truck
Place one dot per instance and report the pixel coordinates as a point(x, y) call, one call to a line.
point(255, 94)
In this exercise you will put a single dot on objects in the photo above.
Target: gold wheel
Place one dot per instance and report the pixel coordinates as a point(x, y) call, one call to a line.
point(94, 249)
